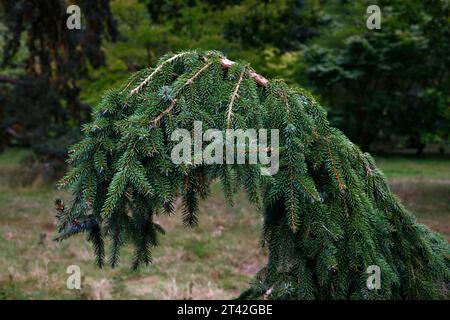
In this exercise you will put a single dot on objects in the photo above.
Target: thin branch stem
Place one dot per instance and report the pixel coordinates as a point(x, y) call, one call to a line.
point(292, 208)
point(162, 114)
point(336, 173)
point(307, 191)
point(259, 79)
point(233, 97)
point(174, 101)
point(191, 80)
point(157, 70)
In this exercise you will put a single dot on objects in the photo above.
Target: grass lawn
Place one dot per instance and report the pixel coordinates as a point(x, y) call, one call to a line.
point(213, 261)
point(423, 184)
point(427, 167)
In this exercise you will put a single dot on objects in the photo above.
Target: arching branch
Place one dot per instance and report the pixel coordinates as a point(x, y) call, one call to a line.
point(225, 62)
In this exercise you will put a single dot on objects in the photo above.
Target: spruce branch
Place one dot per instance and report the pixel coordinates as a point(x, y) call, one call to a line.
point(123, 174)
point(313, 196)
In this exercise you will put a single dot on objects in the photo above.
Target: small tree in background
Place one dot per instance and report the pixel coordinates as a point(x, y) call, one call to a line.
point(388, 82)
point(328, 212)
point(41, 65)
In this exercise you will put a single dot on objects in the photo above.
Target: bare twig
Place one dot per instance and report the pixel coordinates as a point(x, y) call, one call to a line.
point(233, 97)
point(162, 114)
point(191, 80)
point(259, 79)
point(158, 69)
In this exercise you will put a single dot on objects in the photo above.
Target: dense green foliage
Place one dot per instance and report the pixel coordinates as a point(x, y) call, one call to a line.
point(328, 213)
point(392, 82)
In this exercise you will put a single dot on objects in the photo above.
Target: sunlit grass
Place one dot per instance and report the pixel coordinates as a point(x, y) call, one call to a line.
point(13, 156)
point(424, 167)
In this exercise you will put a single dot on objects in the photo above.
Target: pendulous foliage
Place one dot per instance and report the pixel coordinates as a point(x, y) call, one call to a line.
point(328, 212)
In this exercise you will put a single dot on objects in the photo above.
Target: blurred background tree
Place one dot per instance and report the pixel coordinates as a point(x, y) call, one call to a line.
point(42, 62)
point(390, 84)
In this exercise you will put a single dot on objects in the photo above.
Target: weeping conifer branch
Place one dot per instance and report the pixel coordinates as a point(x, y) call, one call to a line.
point(320, 241)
